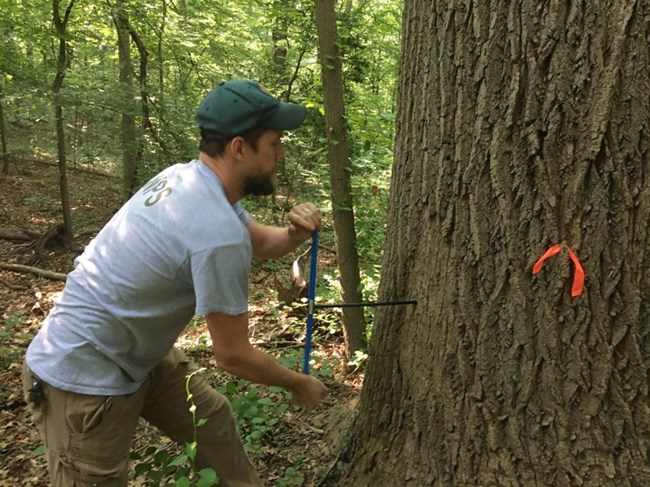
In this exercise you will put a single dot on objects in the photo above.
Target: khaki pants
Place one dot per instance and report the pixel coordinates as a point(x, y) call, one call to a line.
point(88, 438)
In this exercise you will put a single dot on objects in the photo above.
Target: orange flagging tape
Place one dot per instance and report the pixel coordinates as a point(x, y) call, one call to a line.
point(549, 253)
point(578, 275)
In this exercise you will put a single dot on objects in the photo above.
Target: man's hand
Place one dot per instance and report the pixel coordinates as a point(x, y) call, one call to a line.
point(270, 242)
point(303, 219)
point(236, 355)
point(309, 392)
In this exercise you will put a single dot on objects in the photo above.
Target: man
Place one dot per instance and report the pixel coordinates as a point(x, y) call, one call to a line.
point(181, 246)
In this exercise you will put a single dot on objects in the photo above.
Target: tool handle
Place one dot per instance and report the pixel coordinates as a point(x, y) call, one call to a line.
point(364, 304)
point(311, 296)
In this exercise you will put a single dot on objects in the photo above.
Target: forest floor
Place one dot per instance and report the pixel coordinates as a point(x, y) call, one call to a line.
point(289, 447)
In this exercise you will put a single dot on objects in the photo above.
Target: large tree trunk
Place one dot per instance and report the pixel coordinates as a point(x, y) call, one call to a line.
point(521, 125)
point(338, 155)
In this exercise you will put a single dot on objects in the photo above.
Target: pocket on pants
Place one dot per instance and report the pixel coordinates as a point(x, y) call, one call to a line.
point(100, 428)
point(87, 415)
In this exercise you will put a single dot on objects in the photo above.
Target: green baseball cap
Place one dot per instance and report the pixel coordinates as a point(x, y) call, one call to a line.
point(233, 107)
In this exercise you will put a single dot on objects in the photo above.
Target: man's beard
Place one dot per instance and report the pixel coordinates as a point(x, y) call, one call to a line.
point(259, 185)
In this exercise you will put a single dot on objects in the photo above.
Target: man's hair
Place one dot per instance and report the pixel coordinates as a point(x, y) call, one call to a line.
point(216, 148)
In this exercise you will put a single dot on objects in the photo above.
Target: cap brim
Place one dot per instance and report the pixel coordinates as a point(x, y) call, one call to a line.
point(287, 116)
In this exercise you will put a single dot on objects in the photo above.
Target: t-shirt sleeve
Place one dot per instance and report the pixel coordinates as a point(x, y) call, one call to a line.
point(220, 279)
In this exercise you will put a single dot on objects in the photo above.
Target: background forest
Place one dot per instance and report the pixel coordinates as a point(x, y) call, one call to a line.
point(177, 51)
point(97, 97)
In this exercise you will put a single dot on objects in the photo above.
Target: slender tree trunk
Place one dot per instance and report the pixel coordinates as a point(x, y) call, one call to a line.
point(129, 136)
point(348, 7)
point(520, 125)
point(145, 101)
point(279, 40)
point(338, 154)
point(144, 98)
point(279, 73)
point(161, 100)
point(161, 59)
point(60, 25)
point(3, 135)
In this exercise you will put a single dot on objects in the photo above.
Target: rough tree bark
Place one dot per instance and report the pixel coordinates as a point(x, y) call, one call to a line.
point(338, 155)
point(520, 125)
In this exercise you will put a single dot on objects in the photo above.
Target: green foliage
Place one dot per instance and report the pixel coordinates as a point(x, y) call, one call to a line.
point(291, 478)
point(256, 414)
point(158, 466)
point(12, 333)
point(12, 323)
point(358, 360)
point(192, 46)
point(292, 359)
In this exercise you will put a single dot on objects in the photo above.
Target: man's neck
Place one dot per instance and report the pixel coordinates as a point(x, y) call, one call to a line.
point(220, 167)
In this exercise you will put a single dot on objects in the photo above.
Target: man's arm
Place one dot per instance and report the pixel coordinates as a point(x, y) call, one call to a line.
point(269, 242)
point(236, 355)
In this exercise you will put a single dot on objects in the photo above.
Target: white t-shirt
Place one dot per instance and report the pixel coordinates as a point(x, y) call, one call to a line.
point(177, 249)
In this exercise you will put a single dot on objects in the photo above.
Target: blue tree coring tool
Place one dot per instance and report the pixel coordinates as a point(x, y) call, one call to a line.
point(311, 301)
point(311, 296)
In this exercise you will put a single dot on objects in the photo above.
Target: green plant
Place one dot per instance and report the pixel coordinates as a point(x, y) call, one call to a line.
point(256, 415)
point(39, 200)
point(13, 323)
point(291, 478)
point(12, 332)
point(359, 360)
point(292, 359)
point(323, 369)
point(158, 465)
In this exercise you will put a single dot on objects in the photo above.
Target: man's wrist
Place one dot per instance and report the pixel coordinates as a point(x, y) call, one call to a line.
point(295, 237)
point(297, 382)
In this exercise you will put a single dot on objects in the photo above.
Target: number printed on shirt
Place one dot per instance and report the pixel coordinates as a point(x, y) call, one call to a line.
point(157, 186)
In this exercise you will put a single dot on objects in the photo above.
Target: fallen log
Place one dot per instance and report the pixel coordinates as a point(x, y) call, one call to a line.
point(16, 234)
point(55, 276)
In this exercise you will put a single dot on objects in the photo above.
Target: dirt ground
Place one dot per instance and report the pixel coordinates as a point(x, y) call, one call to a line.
point(29, 203)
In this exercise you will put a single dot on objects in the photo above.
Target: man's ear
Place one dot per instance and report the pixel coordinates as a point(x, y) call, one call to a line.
point(236, 146)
